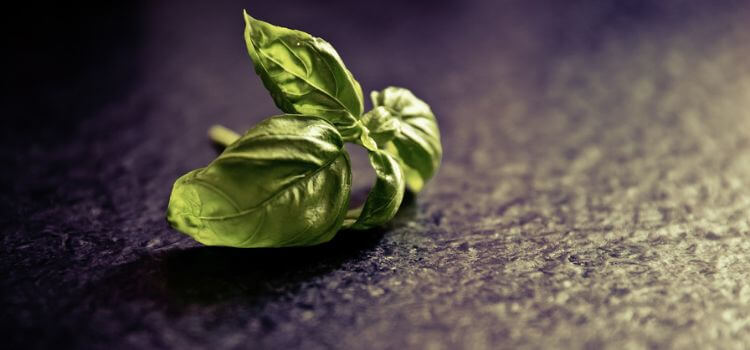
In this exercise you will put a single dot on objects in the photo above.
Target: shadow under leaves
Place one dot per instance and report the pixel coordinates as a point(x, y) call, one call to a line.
point(218, 275)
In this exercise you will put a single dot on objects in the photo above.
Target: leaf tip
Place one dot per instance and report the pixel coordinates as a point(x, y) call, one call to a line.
point(247, 18)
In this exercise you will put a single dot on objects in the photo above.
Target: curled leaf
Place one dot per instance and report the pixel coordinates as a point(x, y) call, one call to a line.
point(417, 144)
point(384, 198)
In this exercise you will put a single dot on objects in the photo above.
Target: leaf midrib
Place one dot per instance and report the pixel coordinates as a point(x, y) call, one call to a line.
point(260, 52)
point(279, 192)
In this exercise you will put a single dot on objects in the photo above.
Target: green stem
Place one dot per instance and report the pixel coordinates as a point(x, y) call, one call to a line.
point(367, 142)
point(222, 135)
point(364, 138)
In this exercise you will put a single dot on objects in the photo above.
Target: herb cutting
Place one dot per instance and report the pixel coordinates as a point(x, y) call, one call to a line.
point(287, 181)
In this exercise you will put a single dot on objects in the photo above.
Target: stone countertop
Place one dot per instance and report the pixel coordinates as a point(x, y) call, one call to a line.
point(594, 193)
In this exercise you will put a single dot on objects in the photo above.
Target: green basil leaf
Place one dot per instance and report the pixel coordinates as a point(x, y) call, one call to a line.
point(304, 74)
point(286, 182)
point(385, 196)
point(417, 144)
point(381, 125)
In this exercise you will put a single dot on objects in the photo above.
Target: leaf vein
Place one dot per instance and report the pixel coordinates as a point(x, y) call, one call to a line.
point(278, 193)
point(306, 82)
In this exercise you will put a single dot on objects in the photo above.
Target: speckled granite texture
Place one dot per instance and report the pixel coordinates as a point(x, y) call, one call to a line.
point(595, 191)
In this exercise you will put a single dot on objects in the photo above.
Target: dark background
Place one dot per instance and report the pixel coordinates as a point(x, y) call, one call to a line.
point(594, 190)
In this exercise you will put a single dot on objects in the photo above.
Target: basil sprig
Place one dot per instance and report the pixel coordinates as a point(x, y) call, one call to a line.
point(287, 181)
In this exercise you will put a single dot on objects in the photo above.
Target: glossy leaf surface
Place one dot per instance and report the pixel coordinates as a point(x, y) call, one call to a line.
point(286, 182)
point(304, 74)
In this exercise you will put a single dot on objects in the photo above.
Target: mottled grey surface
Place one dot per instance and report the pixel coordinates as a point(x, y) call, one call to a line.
point(595, 190)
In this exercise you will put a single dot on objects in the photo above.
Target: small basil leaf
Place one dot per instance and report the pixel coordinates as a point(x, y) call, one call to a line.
point(304, 74)
point(417, 144)
point(381, 125)
point(286, 182)
point(385, 196)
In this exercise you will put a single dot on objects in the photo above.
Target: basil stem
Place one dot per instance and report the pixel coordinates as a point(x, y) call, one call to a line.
point(222, 136)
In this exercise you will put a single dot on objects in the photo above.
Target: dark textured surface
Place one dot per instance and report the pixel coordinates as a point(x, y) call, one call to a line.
point(595, 190)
